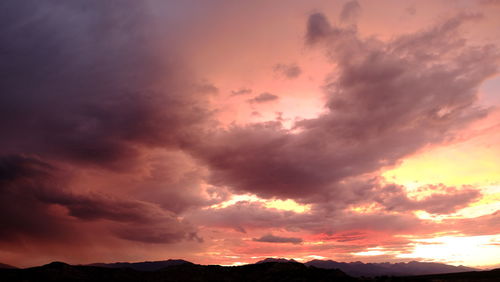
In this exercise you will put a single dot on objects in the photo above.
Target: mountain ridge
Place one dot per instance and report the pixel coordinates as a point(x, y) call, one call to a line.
point(356, 269)
point(4, 265)
point(270, 271)
point(265, 272)
point(385, 268)
point(144, 265)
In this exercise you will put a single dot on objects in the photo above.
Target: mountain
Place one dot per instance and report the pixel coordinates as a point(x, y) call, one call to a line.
point(276, 260)
point(265, 272)
point(188, 272)
point(145, 265)
point(3, 265)
point(359, 269)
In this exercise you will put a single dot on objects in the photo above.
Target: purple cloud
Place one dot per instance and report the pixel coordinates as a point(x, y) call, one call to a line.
point(270, 238)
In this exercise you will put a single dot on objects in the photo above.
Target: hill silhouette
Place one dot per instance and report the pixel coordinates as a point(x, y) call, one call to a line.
point(3, 265)
point(275, 260)
point(262, 271)
point(359, 269)
point(145, 265)
point(266, 272)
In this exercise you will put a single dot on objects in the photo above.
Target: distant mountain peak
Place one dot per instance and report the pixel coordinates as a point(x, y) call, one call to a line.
point(276, 260)
point(56, 265)
point(6, 266)
point(144, 265)
point(398, 269)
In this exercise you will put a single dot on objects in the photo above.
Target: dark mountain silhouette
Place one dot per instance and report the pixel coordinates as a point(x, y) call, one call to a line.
point(276, 260)
point(359, 269)
point(188, 272)
point(145, 265)
point(268, 272)
point(3, 265)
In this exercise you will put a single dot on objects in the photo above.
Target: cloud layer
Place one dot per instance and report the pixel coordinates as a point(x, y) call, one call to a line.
point(386, 101)
point(111, 137)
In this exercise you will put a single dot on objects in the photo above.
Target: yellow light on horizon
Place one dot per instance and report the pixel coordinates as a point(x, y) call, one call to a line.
point(456, 165)
point(369, 253)
point(457, 250)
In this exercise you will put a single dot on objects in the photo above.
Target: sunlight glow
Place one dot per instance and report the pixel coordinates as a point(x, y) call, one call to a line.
point(369, 253)
point(456, 250)
point(463, 164)
point(367, 208)
point(285, 205)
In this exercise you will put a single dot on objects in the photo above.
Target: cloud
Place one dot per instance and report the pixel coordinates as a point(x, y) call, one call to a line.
point(207, 88)
point(84, 106)
point(156, 234)
point(241, 91)
point(79, 88)
point(446, 200)
point(318, 28)
point(386, 101)
point(288, 71)
point(270, 238)
point(348, 236)
point(490, 2)
point(350, 12)
point(411, 10)
point(483, 225)
point(39, 186)
point(21, 212)
point(264, 98)
point(245, 216)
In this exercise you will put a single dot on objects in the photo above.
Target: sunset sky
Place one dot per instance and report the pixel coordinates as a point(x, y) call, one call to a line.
point(225, 132)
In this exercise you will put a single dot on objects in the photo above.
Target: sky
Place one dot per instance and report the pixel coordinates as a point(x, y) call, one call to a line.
point(225, 132)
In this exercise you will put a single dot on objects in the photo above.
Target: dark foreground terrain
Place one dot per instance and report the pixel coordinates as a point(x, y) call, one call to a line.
point(271, 271)
point(58, 271)
point(472, 276)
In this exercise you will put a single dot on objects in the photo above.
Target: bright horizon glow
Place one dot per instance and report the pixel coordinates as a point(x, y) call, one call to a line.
point(457, 250)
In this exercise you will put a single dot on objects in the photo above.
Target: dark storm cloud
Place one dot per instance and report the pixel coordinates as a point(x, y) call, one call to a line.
point(130, 219)
point(13, 167)
point(96, 206)
point(88, 84)
point(350, 11)
point(21, 212)
point(155, 234)
point(84, 82)
point(270, 238)
point(35, 186)
point(289, 71)
point(264, 98)
point(174, 183)
point(386, 101)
